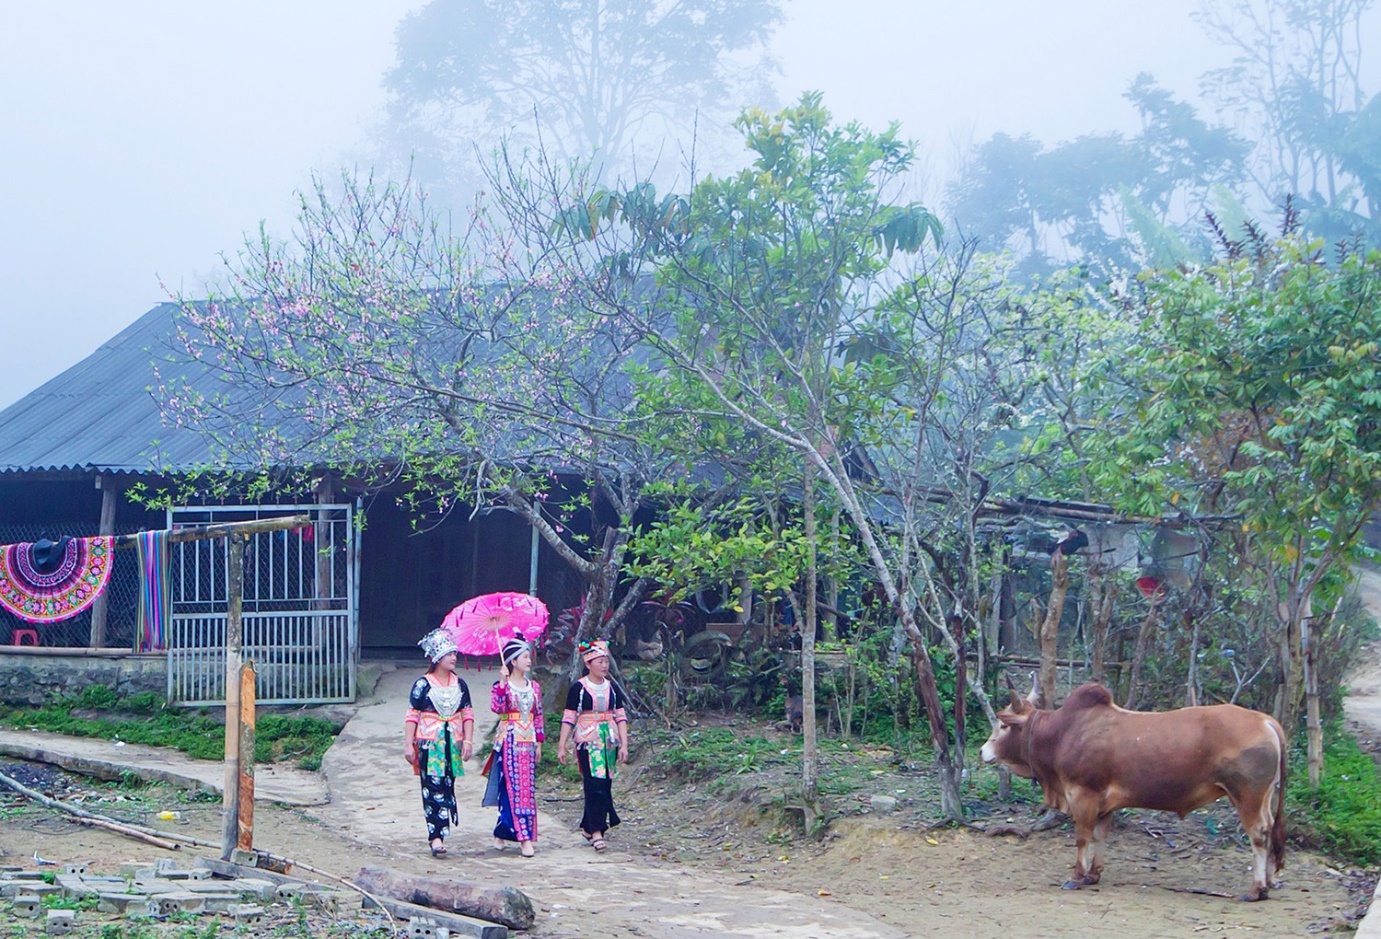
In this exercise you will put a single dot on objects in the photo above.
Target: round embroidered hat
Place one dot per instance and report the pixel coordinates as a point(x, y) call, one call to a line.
point(593, 649)
point(514, 648)
point(436, 644)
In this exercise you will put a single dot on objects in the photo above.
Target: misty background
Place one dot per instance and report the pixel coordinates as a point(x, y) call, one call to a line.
point(144, 139)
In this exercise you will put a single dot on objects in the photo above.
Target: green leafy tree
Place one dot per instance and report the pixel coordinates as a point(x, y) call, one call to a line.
point(1255, 392)
point(762, 278)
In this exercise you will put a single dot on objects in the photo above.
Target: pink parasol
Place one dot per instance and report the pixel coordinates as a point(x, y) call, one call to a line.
point(481, 625)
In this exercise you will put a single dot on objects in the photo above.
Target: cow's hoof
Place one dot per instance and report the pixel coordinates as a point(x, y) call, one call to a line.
point(1254, 896)
point(1071, 885)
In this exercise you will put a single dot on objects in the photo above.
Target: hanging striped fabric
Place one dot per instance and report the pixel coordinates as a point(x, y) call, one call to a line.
point(155, 590)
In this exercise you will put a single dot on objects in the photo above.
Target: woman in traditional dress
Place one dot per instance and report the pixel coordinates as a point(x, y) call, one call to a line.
point(517, 699)
point(597, 719)
point(438, 734)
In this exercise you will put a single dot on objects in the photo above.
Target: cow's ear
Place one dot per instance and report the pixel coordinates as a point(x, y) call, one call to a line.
point(1008, 718)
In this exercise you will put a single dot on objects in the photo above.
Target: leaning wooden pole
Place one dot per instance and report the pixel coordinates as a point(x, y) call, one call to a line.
point(234, 642)
point(245, 841)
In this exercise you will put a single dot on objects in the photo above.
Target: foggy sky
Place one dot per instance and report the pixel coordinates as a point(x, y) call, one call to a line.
point(141, 139)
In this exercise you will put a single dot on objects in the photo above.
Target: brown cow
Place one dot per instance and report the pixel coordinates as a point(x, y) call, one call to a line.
point(1092, 758)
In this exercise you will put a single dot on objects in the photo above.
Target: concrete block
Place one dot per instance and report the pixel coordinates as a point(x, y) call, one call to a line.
point(24, 875)
point(334, 902)
point(26, 905)
point(219, 902)
point(209, 886)
point(199, 873)
point(286, 891)
point(244, 858)
point(247, 914)
point(121, 902)
point(259, 889)
point(165, 864)
point(423, 928)
point(74, 869)
point(170, 903)
point(129, 868)
point(60, 922)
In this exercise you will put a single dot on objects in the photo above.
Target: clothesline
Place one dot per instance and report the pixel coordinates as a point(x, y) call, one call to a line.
point(222, 530)
point(37, 593)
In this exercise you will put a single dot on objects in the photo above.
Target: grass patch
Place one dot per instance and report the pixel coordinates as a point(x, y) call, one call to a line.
point(1343, 816)
point(145, 718)
point(721, 751)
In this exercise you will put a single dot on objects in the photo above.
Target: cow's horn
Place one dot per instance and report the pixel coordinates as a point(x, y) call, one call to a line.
point(1010, 685)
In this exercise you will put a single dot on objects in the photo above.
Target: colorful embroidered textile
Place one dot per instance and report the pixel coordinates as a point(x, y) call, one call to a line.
point(60, 594)
point(431, 695)
point(155, 590)
point(594, 711)
point(520, 731)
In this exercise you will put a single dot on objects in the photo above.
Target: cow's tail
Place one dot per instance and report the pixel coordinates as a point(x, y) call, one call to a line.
point(1278, 802)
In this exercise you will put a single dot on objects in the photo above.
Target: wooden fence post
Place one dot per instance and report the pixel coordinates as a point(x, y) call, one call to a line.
point(247, 718)
point(234, 647)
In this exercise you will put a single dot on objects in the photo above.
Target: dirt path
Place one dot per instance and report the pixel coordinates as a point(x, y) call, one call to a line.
point(375, 803)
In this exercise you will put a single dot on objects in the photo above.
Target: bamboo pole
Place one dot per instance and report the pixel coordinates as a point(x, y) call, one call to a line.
point(128, 832)
point(225, 529)
point(104, 821)
point(234, 645)
point(245, 841)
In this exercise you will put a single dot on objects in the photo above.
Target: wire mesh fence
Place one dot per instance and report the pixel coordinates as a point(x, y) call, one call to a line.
point(121, 593)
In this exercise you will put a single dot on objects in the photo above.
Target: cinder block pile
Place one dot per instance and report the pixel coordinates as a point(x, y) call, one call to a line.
point(161, 889)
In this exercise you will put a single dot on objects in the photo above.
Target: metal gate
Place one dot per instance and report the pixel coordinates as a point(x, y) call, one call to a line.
point(300, 617)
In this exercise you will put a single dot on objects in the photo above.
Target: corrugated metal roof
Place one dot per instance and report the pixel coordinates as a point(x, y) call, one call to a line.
point(100, 414)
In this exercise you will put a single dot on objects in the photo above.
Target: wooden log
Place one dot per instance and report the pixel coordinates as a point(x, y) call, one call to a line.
point(506, 905)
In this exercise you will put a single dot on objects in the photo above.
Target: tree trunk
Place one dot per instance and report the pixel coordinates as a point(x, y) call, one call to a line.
point(1050, 626)
point(1313, 723)
point(506, 905)
point(1291, 693)
point(1191, 681)
point(1103, 590)
point(1143, 636)
point(808, 619)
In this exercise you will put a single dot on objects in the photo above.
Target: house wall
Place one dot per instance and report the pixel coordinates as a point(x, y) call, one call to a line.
point(411, 576)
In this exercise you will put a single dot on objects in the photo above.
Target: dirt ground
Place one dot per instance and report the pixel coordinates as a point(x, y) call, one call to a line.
point(720, 857)
point(687, 863)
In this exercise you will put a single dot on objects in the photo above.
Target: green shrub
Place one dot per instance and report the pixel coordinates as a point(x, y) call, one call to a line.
point(1343, 816)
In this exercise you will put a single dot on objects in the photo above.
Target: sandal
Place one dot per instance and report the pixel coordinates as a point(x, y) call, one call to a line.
point(499, 844)
point(439, 850)
point(598, 843)
point(528, 850)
